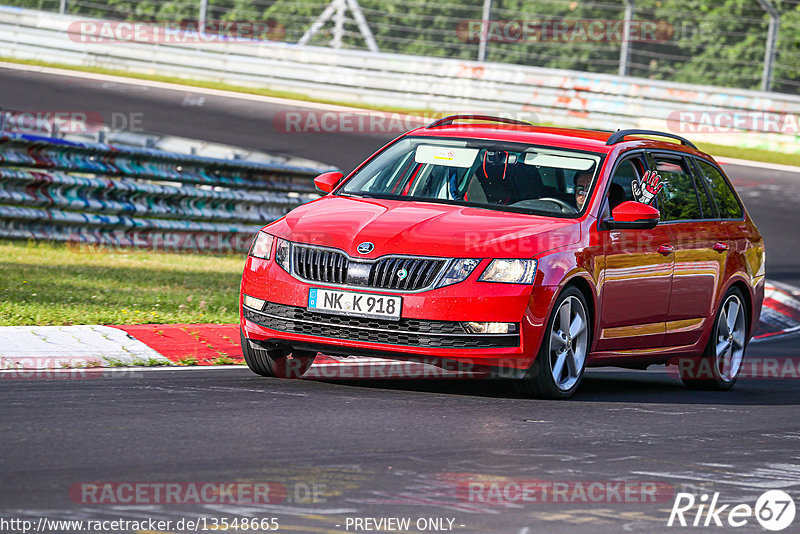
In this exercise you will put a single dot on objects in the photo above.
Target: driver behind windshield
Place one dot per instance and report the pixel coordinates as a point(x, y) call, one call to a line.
point(479, 173)
point(582, 181)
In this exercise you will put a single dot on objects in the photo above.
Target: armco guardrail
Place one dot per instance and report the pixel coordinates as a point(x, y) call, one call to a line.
point(93, 193)
point(558, 96)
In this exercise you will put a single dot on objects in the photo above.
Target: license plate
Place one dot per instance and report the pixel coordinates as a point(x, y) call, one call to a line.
point(356, 304)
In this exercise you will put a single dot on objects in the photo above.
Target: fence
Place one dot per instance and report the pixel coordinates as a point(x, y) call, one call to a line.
point(749, 44)
point(557, 96)
point(93, 193)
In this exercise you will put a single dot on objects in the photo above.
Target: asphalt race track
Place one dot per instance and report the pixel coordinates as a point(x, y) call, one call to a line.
point(421, 449)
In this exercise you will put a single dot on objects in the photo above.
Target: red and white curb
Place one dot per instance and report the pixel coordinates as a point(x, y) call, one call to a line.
point(56, 347)
point(67, 348)
point(780, 314)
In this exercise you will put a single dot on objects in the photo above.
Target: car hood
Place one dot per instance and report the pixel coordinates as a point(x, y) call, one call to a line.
point(423, 229)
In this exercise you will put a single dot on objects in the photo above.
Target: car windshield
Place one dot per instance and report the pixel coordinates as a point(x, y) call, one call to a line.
point(481, 173)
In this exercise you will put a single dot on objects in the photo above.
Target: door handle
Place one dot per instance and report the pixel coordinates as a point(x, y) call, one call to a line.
point(666, 250)
point(720, 247)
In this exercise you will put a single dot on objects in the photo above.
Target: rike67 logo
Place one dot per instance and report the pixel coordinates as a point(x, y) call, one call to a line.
point(774, 510)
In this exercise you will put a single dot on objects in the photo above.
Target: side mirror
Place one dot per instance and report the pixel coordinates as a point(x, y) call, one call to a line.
point(327, 182)
point(633, 215)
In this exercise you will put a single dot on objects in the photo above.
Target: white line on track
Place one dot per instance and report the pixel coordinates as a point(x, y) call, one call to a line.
point(124, 370)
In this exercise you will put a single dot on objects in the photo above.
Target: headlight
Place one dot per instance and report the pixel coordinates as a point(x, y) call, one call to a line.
point(282, 254)
point(459, 270)
point(262, 246)
point(510, 272)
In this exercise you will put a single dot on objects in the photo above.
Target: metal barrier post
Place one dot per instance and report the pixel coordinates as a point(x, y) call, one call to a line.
point(201, 19)
point(485, 18)
point(338, 24)
point(625, 49)
point(337, 8)
point(771, 45)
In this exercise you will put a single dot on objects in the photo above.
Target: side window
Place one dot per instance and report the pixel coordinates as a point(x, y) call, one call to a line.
point(620, 189)
point(678, 200)
point(706, 204)
point(728, 206)
point(625, 173)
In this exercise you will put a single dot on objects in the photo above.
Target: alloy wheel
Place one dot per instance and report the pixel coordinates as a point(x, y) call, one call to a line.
point(569, 339)
point(730, 339)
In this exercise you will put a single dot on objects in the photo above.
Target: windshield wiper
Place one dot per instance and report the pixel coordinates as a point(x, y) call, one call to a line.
point(362, 194)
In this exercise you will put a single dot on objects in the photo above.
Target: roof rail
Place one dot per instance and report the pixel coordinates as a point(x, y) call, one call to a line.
point(446, 121)
point(618, 136)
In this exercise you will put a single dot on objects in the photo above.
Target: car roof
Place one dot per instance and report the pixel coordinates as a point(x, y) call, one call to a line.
point(572, 138)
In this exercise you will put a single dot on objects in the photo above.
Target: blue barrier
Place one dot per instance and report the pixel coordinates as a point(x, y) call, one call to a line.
point(99, 194)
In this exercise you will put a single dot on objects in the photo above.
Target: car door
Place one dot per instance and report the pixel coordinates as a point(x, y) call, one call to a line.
point(687, 211)
point(636, 276)
point(726, 233)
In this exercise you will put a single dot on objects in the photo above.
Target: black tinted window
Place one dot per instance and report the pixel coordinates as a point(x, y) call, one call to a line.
point(705, 202)
point(624, 175)
point(620, 189)
point(728, 206)
point(678, 199)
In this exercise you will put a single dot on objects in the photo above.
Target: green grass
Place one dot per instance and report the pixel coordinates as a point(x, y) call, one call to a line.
point(135, 362)
point(56, 284)
point(715, 150)
point(225, 360)
point(752, 154)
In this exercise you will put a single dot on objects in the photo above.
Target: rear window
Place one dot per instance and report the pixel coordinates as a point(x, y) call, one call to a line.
point(727, 204)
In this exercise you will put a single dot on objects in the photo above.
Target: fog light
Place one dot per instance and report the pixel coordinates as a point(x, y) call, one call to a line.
point(490, 328)
point(252, 302)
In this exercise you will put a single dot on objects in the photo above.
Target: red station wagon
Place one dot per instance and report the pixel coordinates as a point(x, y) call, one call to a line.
point(485, 243)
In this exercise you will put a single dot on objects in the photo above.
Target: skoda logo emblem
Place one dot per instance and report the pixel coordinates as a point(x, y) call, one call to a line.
point(365, 247)
point(401, 274)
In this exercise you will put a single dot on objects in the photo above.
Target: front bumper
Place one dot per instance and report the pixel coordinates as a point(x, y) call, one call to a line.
point(429, 330)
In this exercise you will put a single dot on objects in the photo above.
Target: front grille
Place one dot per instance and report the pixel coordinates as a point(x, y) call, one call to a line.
point(402, 273)
point(408, 332)
point(420, 272)
point(320, 265)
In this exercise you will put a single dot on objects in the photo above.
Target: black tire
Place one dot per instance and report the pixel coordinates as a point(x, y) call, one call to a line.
point(706, 372)
point(275, 362)
point(539, 380)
